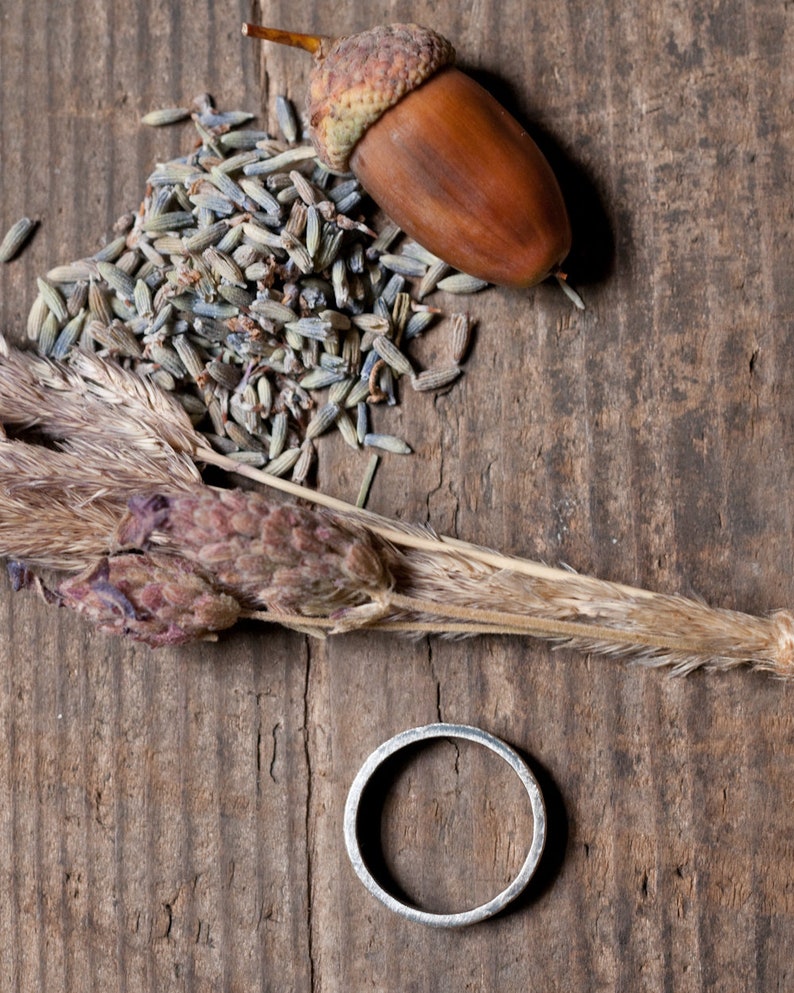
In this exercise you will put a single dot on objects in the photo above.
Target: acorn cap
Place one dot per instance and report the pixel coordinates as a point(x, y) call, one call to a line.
point(357, 79)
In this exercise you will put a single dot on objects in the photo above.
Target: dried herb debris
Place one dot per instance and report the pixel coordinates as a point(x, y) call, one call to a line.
point(250, 285)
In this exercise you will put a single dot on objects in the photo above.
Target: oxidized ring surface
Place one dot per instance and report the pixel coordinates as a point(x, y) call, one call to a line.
point(404, 740)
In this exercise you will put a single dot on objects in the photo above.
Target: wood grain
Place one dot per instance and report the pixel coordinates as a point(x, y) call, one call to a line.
point(171, 820)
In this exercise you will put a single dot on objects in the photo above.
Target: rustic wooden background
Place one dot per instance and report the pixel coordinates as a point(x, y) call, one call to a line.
point(171, 820)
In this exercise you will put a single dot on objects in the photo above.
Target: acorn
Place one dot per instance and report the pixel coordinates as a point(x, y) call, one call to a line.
point(435, 151)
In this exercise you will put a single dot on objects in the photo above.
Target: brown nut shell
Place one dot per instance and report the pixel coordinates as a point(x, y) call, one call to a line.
point(462, 177)
point(360, 77)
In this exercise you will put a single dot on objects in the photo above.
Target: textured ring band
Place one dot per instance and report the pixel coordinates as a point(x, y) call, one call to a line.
point(404, 740)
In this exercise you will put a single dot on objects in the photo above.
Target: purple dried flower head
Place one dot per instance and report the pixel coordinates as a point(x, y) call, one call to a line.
point(280, 556)
point(153, 597)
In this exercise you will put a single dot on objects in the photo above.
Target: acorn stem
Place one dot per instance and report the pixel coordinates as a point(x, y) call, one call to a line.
point(315, 44)
point(568, 290)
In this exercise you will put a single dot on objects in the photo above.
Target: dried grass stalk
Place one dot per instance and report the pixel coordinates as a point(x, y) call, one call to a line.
point(166, 559)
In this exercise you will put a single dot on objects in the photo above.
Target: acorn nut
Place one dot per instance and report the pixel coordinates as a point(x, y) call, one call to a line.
point(435, 151)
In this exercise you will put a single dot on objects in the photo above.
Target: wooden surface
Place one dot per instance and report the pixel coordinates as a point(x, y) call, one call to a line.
point(171, 820)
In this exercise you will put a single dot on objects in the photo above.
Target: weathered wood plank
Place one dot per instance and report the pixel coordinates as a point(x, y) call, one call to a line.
point(172, 819)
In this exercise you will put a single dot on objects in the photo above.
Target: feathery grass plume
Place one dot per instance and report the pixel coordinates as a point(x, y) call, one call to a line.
point(152, 418)
point(94, 401)
point(112, 437)
point(590, 614)
point(61, 508)
point(334, 569)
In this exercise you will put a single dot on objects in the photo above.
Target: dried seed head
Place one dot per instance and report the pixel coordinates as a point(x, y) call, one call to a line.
point(116, 337)
point(435, 272)
point(70, 273)
point(282, 463)
point(225, 374)
point(282, 557)
point(387, 443)
point(305, 462)
point(392, 355)
point(152, 597)
point(403, 265)
point(52, 297)
point(68, 336)
point(322, 420)
point(417, 323)
point(49, 332)
point(36, 317)
point(287, 120)
point(117, 279)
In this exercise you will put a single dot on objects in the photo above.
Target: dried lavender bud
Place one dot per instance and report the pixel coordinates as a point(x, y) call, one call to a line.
point(15, 238)
point(153, 597)
point(280, 556)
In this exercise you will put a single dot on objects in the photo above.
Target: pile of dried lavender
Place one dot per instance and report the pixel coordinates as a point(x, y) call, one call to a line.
point(248, 287)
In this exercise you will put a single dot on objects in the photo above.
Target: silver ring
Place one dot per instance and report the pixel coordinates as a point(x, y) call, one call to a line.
point(410, 737)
